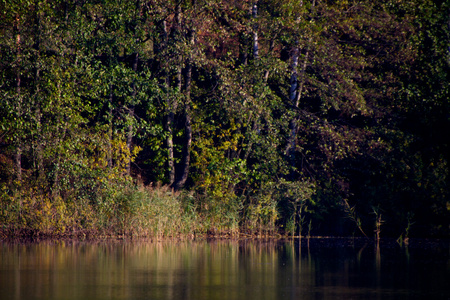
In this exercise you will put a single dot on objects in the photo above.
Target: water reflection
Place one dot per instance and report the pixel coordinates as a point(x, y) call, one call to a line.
point(323, 269)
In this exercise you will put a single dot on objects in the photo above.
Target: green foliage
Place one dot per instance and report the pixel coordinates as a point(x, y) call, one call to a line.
point(343, 108)
point(295, 200)
point(261, 214)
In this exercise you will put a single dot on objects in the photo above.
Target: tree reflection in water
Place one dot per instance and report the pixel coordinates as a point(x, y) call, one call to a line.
point(240, 269)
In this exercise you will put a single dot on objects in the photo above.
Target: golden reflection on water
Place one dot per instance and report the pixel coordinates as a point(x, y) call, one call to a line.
point(195, 270)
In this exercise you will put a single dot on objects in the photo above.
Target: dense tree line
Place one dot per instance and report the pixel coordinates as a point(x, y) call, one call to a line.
point(326, 117)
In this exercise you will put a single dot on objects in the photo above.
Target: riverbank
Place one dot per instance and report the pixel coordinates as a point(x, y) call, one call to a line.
point(126, 211)
point(313, 243)
point(133, 211)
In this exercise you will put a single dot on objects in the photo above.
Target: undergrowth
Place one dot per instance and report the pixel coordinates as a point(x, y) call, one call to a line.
point(122, 210)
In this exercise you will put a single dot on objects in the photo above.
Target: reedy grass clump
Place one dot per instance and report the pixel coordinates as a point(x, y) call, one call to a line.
point(152, 212)
point(220, 216)
point(115, 211)
point(122, 208)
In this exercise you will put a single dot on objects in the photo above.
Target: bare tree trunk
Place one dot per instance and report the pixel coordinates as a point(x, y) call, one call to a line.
point(18, 160)
point(255, 30)
point(18, 155)
point(38, 114)
point(169, 141)
point(244, 42)
point(129, 140)
point(39, 145)
point(188, 127)
point(293, 90)
point(170, 109)
point(133, 97)
point(59, 139)
point(295, 93)
point(266, 72)
point(131, 116)
point(255, 53)
point(178, 82)
point(172, 103)
point(110, 130)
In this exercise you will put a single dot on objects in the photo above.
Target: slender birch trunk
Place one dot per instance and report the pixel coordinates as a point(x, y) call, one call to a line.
point(255, 53)
point(293, 92)
point(255, 31)
point(297, 83)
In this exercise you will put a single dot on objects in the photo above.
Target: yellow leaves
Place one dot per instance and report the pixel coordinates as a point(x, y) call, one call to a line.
point(37, 212)
point(263, 214)
point(135, 152)
point(226, 145)
point(115, 150)
point(231, 137)
point(120, 153)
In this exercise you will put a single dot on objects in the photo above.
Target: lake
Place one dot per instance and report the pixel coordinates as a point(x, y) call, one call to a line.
point(225, 269)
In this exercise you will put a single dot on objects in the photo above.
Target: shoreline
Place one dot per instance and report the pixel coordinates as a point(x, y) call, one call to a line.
point(308, 242)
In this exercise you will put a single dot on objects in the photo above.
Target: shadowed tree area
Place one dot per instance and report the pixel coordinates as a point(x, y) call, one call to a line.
point(299, 117)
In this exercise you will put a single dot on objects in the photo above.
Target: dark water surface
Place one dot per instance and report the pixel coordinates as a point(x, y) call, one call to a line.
point(250, 269)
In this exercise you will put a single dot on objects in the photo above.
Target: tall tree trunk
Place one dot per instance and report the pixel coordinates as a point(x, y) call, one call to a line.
point(39, 146)
point(178, 82)
point(18, 161)
point(131, 116)
point(58, 140)
point(161, 48)
point(169, 140)
point(255, 30)
point(266, 72)
point(170, 108)
point(133, 96)
point(243, 49)
point(18, 155)
point(187, 112)
point(246, 43)
point(37, 94)
point(56, 189)
point(172, 102)
point(110, 131)
point(255, 53)
point(295, 92)
point(130, 139)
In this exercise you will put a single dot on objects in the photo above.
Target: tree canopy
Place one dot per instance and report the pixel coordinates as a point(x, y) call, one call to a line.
point(287, 113)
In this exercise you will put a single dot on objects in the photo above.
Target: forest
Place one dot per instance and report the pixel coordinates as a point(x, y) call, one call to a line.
point(164, 118)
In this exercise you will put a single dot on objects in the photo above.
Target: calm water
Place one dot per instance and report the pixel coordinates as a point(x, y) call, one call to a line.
point(327, 269)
